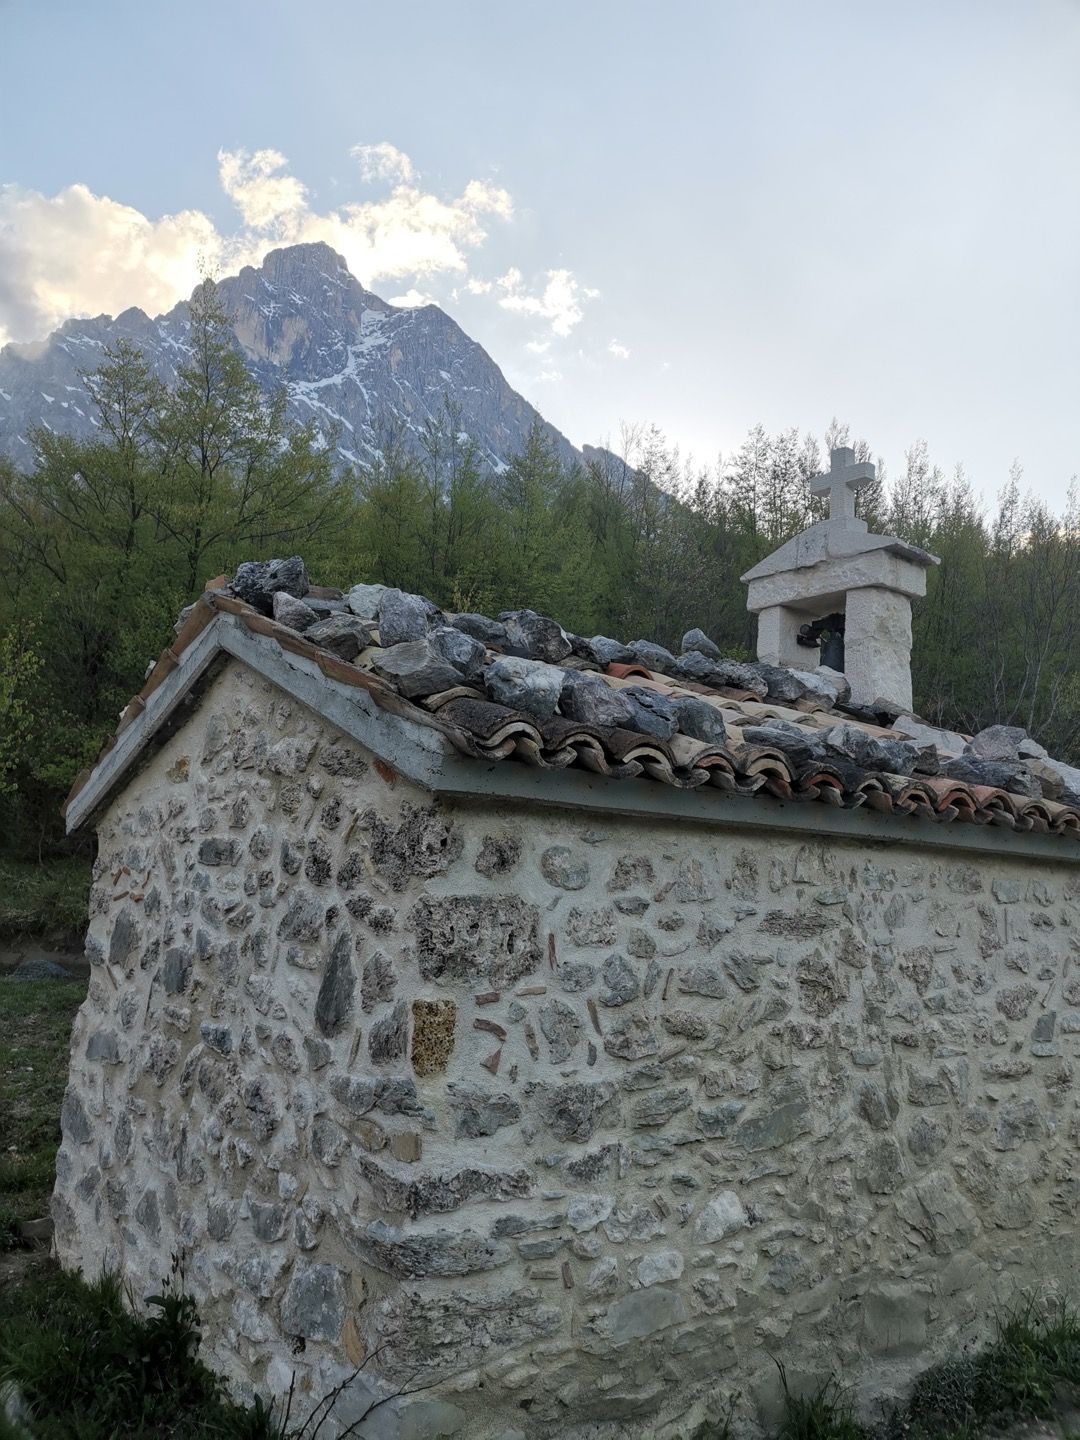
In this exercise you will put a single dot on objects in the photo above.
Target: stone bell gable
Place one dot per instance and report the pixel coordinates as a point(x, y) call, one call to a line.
point(836, 567)
point(537, 1069)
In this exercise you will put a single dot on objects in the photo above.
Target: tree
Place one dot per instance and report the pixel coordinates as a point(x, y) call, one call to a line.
point(103, 541)
point(236, 476)
point(20, 666)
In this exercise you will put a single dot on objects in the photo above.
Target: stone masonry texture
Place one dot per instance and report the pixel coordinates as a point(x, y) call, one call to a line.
point(574, 1121)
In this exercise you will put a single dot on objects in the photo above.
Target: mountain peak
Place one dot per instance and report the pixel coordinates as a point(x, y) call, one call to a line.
point(364, 373)
point(306, 254)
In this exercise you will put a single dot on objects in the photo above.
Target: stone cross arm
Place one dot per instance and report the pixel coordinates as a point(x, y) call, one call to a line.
point(844, 476)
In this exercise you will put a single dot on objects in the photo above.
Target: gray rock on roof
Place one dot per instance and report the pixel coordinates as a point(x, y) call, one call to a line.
point(417, 668)
point(521, 684)
point(257, 581)
point(535, 637)
point(403, 617)
point(343, 635)
point(699, 641)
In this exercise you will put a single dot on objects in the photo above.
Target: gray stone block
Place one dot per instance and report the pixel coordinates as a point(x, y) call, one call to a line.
point(536, 637)
point(527, 685)
point(404, 617)
point(314, 1305)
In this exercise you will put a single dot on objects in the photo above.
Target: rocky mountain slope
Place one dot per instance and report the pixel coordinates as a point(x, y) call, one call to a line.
point(350, 362)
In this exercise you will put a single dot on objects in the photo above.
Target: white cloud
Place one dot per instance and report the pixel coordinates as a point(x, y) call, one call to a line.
point(482, 195)
point(383, 162)
point(546, 377)
point(77, 253)
point(412, 298)
point(560, 302)
point(619, 351)
point(263, 196)
point(538, 347)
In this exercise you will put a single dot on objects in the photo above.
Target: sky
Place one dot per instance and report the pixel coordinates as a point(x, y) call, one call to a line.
point(695, 215)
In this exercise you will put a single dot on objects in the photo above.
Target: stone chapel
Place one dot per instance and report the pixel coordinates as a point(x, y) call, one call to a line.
point(535, 1035)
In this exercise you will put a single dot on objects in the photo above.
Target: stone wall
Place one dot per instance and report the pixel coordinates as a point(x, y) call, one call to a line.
point(575, 1119)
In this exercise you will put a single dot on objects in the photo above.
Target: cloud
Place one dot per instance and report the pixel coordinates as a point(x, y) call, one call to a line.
point(482, 195)
point(78, 253)
point(619, 351)
point(383, 162)
point(264, 197)
point(411, 299)
point(560, 301)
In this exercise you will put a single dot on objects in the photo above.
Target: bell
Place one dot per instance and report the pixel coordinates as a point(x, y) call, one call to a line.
point(832, 650)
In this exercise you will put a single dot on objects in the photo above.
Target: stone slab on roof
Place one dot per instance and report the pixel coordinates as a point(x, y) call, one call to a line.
point(780, 737)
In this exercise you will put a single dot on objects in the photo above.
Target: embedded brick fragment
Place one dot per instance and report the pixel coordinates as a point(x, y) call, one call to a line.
point(433, 1035)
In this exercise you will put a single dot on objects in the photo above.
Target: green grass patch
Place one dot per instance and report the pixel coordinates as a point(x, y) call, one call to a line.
point(1029, 1372)
point(86, 1365)
point(34, 1043)
point(826, 1414)
point(1032, 1366)
point(45, 899)
point(88, 1368)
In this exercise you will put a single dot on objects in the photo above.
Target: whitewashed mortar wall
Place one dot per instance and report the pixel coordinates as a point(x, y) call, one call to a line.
point(754, 1097)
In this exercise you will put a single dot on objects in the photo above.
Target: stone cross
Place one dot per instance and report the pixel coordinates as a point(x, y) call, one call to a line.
point(844, 476)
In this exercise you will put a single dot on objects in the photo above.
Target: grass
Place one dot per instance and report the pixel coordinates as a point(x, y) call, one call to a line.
point(86, 1367)
point(825, 1414)
point(1028, 1372)
point(33, 1072)
point(1031, 1367)
point(45, 899)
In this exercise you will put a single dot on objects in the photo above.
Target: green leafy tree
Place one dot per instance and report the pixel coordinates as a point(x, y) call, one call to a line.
point(20, 667)
point(236, 476)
